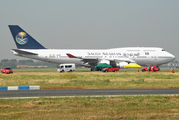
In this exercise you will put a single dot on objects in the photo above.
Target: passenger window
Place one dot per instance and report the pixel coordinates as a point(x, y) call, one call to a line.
point(68, 66)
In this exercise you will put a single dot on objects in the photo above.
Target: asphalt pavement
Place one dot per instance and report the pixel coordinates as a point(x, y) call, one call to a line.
point(86, 92)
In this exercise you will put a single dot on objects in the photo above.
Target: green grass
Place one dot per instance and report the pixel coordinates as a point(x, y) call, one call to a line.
point(124, 107)
point(91, 80)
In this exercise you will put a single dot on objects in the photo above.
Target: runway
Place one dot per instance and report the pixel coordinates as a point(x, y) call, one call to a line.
point(86, 92)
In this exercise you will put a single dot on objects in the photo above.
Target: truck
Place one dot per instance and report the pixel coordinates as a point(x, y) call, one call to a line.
point(6, 70)
point(66, 68)
point(153, 69)
point(110, 69)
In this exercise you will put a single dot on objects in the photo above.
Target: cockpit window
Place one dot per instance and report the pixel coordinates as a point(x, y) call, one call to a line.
point(163, 49)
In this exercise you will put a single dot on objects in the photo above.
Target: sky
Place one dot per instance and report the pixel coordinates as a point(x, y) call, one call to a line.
point(92, 24)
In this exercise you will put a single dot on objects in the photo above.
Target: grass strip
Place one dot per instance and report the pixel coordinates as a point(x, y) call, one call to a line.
point(124, 107)
point(91, 80)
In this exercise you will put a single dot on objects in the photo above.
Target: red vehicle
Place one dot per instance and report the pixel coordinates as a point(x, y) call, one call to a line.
point(110, 69)
point(6, 70)
point(153, 69)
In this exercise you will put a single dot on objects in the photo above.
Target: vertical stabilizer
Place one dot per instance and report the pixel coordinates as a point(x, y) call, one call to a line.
point(23, 40)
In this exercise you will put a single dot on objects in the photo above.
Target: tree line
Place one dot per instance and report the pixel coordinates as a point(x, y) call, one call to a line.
point(13, 63)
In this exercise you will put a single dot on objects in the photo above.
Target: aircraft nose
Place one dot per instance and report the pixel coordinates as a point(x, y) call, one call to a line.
point(173, 57)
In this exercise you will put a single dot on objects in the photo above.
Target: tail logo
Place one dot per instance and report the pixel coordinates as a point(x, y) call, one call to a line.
point(22, 38)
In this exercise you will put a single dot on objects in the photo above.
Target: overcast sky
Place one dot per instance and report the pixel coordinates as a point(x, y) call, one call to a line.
point(95, 24)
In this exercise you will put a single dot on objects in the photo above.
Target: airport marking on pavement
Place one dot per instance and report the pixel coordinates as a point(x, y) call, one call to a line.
point(20, 88)
point(84, 96)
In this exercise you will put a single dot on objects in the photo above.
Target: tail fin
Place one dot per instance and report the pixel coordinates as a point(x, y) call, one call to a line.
point(23, 40)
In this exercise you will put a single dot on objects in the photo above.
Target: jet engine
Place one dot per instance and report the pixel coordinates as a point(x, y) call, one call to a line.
point(105, 61)
point(122, 64)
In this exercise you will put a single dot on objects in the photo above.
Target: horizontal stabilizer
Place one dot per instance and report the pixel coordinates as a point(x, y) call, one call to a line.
point(24, 52)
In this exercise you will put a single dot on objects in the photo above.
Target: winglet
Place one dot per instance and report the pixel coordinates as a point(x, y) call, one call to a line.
point(71, 56)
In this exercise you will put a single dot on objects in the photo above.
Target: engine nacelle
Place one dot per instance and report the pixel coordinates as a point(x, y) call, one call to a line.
point(122, 64)
point(105, 61)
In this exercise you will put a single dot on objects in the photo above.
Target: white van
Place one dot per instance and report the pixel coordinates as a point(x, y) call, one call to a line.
point(66, 68)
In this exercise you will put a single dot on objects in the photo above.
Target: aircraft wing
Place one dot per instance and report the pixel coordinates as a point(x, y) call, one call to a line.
point(24, 52)
point(85, 60)
point(97, 60)
point(128, 60)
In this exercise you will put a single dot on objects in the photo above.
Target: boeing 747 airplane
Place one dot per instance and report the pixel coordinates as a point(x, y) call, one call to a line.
point(117, 57)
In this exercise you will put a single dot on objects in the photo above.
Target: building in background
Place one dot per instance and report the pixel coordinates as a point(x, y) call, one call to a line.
point(171, 65)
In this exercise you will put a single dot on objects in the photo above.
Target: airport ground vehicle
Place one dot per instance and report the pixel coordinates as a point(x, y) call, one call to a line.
point(153, 69)
point(66, 68)
point(110, 69)
point(6, 70)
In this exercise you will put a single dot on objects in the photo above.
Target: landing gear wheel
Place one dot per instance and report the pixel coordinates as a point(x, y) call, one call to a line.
point(92, 68)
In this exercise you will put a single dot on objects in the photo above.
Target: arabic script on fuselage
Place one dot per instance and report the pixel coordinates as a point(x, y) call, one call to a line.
point(111, 53)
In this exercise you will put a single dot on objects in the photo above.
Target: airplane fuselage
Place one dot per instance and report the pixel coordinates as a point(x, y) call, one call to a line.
point(117, 57)
point(143, 56)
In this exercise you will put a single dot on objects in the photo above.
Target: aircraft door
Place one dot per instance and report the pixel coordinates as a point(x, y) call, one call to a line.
point(46, 58)
point(66, 68)
point(155, 57)
point(61, 68)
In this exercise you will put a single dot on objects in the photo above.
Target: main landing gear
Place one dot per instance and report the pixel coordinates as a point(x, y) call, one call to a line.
point(93, 68)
